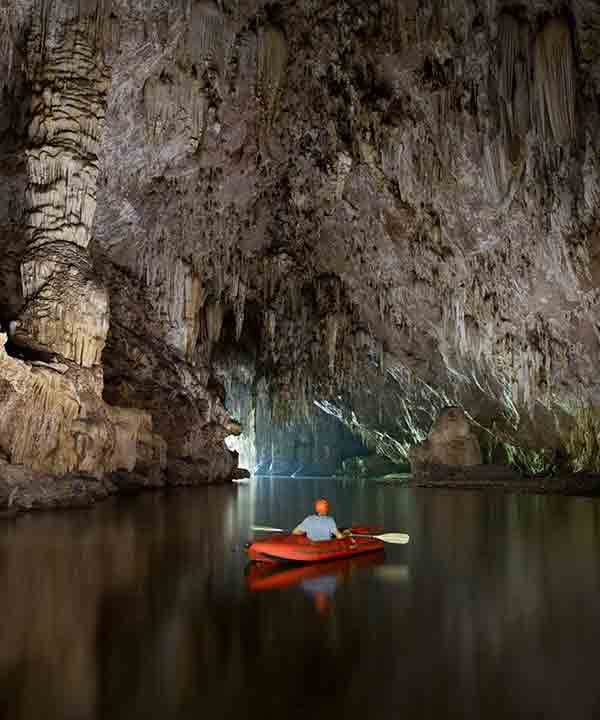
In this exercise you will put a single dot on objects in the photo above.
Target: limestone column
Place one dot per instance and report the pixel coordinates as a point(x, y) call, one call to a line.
point(65, 310)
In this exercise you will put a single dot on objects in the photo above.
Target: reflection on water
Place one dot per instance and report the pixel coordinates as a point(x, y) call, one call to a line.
point(141, 609)
point(318, 580)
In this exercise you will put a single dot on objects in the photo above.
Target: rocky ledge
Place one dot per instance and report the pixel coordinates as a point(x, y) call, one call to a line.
point(23, 489)
point(451, 457)
point(499, 477)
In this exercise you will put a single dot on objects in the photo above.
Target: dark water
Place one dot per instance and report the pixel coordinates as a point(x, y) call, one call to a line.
point(140, 608)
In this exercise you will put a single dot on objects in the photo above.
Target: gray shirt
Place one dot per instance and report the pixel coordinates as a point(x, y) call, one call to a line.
point(318, 527)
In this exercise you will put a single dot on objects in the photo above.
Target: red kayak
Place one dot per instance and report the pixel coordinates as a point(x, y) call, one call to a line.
point(298, 548)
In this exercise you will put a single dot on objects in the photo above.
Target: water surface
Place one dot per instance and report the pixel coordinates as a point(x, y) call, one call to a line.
point(140, 608)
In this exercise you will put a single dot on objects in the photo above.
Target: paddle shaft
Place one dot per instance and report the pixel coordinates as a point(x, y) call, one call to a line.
point(393, 538)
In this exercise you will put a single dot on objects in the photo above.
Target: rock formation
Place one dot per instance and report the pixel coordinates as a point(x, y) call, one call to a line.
point(54, 420)
point(451, 442)
point(384, 208)
point(65, 309)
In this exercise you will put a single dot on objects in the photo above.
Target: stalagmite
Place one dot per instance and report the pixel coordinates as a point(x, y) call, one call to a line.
point(65, 308)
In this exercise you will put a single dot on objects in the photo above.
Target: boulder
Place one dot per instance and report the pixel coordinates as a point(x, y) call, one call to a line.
point(214, 467)
point(241, 474)
point(451, 443)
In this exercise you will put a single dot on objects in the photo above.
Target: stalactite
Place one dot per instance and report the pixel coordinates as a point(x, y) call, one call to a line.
point(247, 68)
point(332, 325)
point(509, 41)
point(174, 107)
point(403, 18)
point(521, 98)
point(555, 81)
point(270, 324)
point(11, 22)
point(272, 61)
point(381, 359)
point(497, 169)
point(207, 34)
point(239, 309)
point(214, 314)
point(411, 157)
point(513, 81)
point(193, 300)
point(314, 351)
point(362, 338)
point(344, 165)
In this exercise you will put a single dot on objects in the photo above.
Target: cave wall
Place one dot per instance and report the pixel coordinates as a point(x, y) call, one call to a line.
point(395, 204)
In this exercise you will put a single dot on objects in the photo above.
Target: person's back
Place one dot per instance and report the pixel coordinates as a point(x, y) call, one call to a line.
point(320, 526)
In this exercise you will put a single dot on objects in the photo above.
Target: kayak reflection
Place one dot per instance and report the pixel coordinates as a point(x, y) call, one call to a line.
point(319, 581)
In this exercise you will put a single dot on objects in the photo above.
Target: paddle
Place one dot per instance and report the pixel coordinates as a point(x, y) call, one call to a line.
point(394, 538)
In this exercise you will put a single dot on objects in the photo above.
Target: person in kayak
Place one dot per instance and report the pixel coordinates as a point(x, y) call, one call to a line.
point(320, 526)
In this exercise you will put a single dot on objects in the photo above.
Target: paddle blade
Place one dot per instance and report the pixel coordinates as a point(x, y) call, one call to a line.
point(394, 538)
point(265, 528)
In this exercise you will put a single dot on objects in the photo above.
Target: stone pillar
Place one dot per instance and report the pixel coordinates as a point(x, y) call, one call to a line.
point(66, 310)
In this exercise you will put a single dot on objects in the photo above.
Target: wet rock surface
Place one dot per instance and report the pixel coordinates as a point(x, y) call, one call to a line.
point(22, 489)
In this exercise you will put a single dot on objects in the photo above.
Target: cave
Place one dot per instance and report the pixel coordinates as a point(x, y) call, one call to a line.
point(232, 242)
point(260, 258)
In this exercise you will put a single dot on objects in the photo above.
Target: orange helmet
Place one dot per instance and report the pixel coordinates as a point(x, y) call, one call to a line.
point(322, 506)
